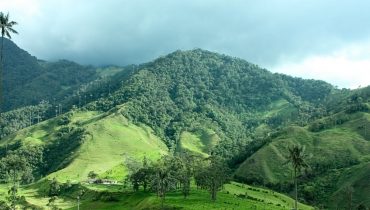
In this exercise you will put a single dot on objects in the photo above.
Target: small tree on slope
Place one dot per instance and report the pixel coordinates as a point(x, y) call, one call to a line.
point(297, 159)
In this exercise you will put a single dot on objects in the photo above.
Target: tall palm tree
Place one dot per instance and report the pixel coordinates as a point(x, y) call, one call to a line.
point(6, 28)
point(297, 159)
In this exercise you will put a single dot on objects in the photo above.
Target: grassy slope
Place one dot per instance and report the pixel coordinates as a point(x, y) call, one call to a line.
point(335, 145)
point(358, 177)
point(279, 107)
point(111, 138)
point(200, 141)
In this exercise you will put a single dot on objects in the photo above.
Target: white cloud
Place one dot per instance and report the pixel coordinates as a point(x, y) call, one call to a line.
point(348, 67)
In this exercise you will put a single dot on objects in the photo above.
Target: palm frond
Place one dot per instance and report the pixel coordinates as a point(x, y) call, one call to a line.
point(8, 34)
point(297, 157)
point(6, 17)
point(6, 25)
point(13, 31)
point(13, 23)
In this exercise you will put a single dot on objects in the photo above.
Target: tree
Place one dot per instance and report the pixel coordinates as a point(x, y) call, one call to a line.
point(54, 188)
point(297, 159)
point(52, 204)
point(135, 171)
point(15, 167)
point(81, 192)
point(213, 176)
point(6, 28)
point(163, 180)
point(349, 194)
point(142, 176)
point(145, 173)
point(92, 175)
point(186, 172)
point(4, 205)
point(13, 197)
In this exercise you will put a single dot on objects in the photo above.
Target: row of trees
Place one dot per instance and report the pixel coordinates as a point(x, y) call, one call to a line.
point(176, 173)
point(18, 119)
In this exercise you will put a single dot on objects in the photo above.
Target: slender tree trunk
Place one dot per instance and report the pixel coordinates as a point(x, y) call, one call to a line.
point(162, 200)
point(213, 191)
point(13, 192)
point(296, 190)
point(350, 200)
point(1, 78)
point(2, 46)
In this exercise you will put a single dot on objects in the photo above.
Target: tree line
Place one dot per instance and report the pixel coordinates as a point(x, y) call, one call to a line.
point(178, 172)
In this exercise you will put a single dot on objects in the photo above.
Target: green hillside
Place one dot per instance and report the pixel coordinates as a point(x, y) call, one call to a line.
point(200, 142)
point(110, 137)
point(338, 157)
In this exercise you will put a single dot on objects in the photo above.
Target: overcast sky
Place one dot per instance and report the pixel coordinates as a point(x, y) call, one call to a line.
point(320, 39)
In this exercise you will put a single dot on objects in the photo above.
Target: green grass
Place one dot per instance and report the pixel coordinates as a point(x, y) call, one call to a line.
point(281, 106)
point(231, 197)
point(111, 138)
point(200, 141)
point(192, 143)
point(357, 177)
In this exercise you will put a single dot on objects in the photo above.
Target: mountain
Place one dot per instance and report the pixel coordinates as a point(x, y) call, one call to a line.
point(36, 90)
point(27, 80)
point(200, 90)
point(196, 101)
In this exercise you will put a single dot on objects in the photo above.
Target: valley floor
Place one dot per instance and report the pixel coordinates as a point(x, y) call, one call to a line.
point(114, 197)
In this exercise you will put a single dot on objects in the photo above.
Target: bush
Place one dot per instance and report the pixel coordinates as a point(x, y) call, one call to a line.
point(64, 120)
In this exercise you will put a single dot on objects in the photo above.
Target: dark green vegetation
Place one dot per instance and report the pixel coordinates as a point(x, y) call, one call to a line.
point(28, 81)
point(200, 102)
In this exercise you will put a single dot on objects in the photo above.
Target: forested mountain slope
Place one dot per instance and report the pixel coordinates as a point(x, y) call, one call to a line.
point(197, 90)
point(28, 81)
